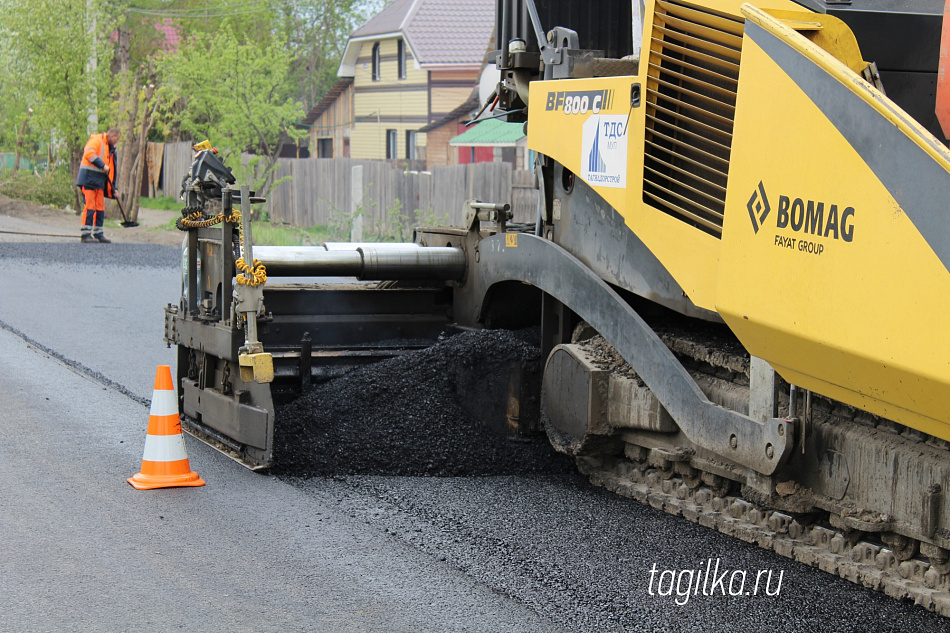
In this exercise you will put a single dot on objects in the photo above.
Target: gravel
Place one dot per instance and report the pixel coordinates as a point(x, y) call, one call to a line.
point(435, 412)
point(536, 531)
point(582, 556)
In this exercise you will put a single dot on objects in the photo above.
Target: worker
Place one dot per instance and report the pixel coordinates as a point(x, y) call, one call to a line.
point(96, 179)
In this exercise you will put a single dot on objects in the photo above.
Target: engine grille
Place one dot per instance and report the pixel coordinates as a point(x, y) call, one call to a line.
point(690, 109)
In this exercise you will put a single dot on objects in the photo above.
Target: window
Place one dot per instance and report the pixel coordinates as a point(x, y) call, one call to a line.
point(410, 145)
point(401, 56)
point(376, 61)
point(324, 148)
point(391, 141)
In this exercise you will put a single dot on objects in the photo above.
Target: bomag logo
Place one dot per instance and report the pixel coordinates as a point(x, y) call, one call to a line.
point(804, 217)
point(759, 207)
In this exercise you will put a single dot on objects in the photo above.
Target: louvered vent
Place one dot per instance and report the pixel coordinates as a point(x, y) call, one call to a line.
point(691, 103)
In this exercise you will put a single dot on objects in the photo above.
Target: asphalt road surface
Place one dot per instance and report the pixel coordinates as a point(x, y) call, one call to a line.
point(80, 337)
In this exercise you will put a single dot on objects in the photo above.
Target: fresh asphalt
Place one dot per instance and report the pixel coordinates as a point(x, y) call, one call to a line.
point(80, 336)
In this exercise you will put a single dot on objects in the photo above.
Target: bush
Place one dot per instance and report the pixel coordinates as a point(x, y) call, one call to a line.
point(53, 188)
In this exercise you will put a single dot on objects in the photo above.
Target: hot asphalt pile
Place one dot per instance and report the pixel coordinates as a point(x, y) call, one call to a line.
point(435, 412)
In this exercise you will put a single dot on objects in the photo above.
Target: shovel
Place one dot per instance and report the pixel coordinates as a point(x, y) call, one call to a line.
point(125, 220)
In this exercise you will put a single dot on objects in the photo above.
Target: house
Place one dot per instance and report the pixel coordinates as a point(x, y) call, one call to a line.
point(411, 65)
point(453, 141)
point(331, 121)
point(498, 141)
point(441, 131)
point(171, 38)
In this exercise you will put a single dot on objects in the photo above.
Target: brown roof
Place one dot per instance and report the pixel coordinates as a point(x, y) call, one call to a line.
point(450, 31)
point(332, 94)
point(438, 32)
point(172, 37)
point(389, 20)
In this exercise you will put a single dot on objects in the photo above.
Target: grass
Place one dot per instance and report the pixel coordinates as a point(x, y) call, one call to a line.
point(168, 226)
point(162, 203)
point(57, 190)
point(267, 234)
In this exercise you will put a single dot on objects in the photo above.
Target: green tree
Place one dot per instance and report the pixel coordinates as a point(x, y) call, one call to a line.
point(244, 74)
point(15, 107)
point(317, 31)
point(238, 93)
point(53, 42)
point(135, 102)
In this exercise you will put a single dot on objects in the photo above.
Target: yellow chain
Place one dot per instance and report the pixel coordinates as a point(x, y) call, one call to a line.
point(194, 220)
point(253, 275)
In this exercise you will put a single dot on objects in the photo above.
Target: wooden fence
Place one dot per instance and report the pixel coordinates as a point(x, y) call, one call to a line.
point(320, 191)
point(176, 160)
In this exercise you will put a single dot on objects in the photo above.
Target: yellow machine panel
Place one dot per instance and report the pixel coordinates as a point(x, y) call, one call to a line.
point(631, 100)
point(573, 146)
point(762, 209)
point(739, 204)
point(825, 274)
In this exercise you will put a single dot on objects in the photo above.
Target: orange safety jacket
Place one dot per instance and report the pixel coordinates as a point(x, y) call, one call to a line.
point(92, 173)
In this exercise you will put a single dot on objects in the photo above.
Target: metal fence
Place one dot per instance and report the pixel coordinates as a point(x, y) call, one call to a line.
point(7, 160)
point(320, 190)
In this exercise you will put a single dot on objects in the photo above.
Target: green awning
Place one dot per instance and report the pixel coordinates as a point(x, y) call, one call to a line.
point(490, 133)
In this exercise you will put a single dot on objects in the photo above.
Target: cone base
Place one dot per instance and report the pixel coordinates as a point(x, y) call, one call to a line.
point(141, 481)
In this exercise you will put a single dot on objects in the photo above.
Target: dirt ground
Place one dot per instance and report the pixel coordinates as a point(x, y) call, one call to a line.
point(20, 219)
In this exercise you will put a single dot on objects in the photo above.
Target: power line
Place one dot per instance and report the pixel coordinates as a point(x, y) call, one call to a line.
point(198, 10)
point(237, 8)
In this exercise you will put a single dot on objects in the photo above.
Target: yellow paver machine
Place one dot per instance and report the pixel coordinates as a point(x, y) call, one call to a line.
point(739, 268)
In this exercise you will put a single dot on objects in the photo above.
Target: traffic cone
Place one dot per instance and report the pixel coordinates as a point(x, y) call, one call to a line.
point(165, 460)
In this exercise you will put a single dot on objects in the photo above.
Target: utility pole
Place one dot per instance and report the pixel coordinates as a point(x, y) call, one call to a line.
point(92, 125)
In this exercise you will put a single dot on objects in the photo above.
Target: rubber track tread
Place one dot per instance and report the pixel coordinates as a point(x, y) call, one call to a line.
point(866, 564)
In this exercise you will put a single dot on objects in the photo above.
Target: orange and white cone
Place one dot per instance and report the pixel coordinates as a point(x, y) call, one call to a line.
point(165, 460)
